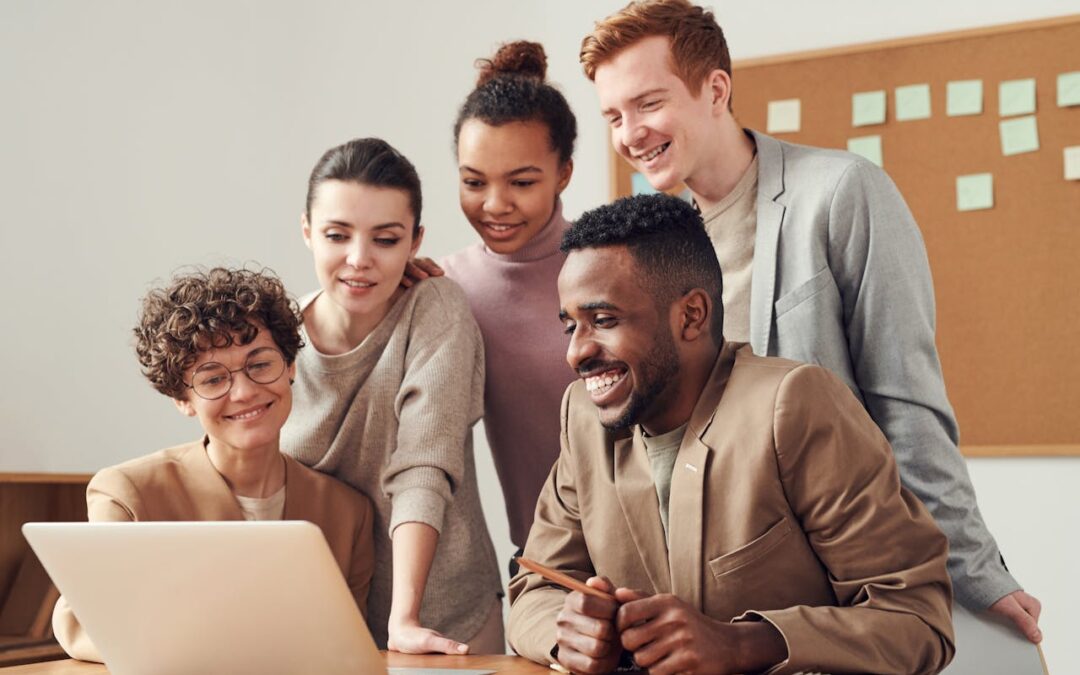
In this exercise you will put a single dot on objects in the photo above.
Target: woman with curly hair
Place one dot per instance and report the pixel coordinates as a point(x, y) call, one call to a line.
point(222, 345)
point(387, 393)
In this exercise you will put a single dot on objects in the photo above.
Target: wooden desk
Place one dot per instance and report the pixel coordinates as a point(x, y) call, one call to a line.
point(505, 665)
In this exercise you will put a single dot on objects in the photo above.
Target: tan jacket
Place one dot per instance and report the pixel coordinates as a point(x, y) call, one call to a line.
point(785, 506)
point(181, 484)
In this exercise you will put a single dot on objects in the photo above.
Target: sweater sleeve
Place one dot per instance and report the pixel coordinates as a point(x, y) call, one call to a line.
point(110, 497)
point(440, 399)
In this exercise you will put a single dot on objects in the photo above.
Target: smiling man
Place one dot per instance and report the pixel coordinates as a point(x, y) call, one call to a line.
point(697, 483)
point(822, 260)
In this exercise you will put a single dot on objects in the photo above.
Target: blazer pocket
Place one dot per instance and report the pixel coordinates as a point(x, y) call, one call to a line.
point(808, 289)
point(748, 553)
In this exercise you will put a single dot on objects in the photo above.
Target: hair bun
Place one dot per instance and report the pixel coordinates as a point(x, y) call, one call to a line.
point(521, 58)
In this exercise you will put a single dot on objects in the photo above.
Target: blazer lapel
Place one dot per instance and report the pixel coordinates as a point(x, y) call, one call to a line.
point(770, 217)
point(641, 508)
point(686, 510)
point(212, 497)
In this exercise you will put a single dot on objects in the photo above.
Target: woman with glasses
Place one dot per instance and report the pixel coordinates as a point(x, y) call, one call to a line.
point(387, 393)
point(222, 345)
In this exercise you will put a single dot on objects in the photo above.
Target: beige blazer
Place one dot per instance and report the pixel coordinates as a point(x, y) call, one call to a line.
point(181, 484)
point(785, 507)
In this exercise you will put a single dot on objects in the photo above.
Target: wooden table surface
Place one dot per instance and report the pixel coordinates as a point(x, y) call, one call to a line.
point(510, 665)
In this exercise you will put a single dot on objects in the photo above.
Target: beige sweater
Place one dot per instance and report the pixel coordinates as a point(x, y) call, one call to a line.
point(394, 419)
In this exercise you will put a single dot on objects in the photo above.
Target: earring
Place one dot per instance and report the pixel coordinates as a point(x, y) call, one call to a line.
point(292, 381)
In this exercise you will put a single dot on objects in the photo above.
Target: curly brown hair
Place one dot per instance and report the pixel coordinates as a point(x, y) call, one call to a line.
point(208, 309)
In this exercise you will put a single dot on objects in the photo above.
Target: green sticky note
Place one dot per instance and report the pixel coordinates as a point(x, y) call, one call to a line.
point(868, 107)
point(784, 116)
point(974, 192)
point(1019, 135)
point(964, 97)
point(1016, 97)
point(1072, 163)
point(1068, 90)
point(867, 146)
point(913, 102)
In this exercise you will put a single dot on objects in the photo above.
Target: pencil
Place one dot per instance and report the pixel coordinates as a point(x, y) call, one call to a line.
point(564, 580)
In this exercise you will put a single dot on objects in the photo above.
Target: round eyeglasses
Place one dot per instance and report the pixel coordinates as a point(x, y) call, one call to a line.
point(213, 380)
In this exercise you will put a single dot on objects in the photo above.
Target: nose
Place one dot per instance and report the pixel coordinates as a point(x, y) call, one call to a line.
point(631, 132)
point(496, 201)
point(359, 255)
point(582, 348)
point(242, 387)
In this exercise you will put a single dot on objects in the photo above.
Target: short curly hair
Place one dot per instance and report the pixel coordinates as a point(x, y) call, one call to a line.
point(667, 239)
point(208, 309)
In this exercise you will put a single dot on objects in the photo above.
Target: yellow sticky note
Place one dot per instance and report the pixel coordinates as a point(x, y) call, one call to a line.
point(975, 191)
point(1068, 89)
point(964, 97)
point(1016, 97)
point(1072, 163)
point(913, 102)
point(868, 107)
point(1019, 135)
point(867, 146)
point(784, 116)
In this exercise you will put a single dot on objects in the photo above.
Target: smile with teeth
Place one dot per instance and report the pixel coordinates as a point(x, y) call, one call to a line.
point(604, 381)
point(500, 227)
point(654, 153)
point(248, 414)
point(357, 284)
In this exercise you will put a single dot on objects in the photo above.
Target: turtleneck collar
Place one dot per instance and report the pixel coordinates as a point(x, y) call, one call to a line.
point(544, 244)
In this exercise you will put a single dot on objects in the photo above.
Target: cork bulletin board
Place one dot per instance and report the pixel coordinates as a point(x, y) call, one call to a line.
point(1007, 278)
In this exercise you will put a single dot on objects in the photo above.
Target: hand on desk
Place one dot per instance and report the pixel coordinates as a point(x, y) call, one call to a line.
point(664, 634)
point(1023, 610)
point(412, 638)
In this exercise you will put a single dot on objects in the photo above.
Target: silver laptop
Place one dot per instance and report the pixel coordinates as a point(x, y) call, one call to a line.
point(208, 597)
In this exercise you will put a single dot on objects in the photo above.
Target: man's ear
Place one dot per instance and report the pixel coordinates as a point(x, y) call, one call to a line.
point(718, 88)
point(694, 314)
point(184, 406)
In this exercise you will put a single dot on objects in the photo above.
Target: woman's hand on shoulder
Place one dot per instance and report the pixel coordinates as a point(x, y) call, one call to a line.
point(419, 269)
point(412, 638)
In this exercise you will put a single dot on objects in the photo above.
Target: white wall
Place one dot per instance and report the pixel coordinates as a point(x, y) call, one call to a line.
point(138, 137)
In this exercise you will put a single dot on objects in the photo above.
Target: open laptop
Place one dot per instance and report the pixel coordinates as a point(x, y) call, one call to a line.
point(208, 597)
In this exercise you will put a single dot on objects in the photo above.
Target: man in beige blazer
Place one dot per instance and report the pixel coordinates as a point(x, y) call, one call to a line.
point(744, 511)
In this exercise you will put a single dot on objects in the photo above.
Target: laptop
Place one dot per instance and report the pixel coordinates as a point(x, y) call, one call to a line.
point(208, 597)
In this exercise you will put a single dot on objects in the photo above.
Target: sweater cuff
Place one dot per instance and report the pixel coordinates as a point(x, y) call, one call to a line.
point(978, 593)
point(417, 505)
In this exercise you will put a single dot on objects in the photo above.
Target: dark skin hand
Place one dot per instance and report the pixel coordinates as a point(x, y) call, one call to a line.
point(668, 636)
point(419, 269)
point(585, 631)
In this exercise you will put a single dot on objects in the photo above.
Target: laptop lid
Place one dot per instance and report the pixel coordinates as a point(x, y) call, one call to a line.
point(208, 597)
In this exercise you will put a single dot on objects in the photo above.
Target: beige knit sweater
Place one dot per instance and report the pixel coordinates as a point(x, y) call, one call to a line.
point(394, 418)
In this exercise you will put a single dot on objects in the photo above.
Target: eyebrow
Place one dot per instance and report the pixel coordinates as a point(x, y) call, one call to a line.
point(588, 307)
point(520, 170)
point(342, 223)
point(658, 90)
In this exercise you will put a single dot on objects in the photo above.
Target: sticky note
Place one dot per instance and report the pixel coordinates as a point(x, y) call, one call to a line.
point(1072, 163)
point(975, 191)
point(1016, 97)
point(867, 146)
point(1019, 135)
point(640, 185)
point(963, 97)
point(1068, 89)
point(784, 116)
point(913, 102)
point(867, 107)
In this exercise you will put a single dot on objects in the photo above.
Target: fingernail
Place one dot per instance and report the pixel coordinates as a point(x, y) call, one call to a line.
point(462, 648)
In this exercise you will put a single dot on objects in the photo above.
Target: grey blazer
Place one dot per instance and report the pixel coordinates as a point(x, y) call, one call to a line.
point(841, 279)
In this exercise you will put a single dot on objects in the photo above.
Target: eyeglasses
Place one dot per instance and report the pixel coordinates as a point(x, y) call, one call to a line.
point(213, 380)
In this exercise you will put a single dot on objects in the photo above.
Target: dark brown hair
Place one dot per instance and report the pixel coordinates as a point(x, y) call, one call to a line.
point(211, 309)
point(368, 161)
point(697, 42)
point(511, 88)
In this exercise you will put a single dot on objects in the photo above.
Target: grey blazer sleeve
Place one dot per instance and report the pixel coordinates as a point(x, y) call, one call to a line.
point(879, 261)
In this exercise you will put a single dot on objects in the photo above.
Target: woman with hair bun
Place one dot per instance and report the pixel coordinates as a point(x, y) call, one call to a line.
point(387, 392)
point(515, 139)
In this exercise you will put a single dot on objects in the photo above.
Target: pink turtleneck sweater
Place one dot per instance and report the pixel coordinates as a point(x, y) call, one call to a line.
point(515, 300)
